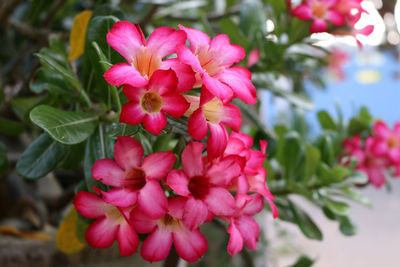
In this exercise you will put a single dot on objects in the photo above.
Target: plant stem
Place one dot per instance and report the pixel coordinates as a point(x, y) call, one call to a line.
point(172, 259)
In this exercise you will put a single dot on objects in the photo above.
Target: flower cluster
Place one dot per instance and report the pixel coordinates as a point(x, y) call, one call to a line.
point(379, 152)
point(340, 13)
point(146, 196)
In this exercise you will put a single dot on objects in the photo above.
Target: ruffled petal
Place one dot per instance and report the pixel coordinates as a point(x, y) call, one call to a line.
point(224, 171)
point(120, 197)
point(217, 141)
point(101, 233)
point(141, 222)
point(157, 245)
point(254, 204)
point(185, 74)
point(196, 213)
point(220, 201)
point(175, 105)
point(197, 125)
point(163, 81)
point(190, 245)
point(128, 152)
point(128, 239)
point(186, 56)
point(178, 181)
point(126, 39)
point(90, 205)
point(152, 200)
point(225, 52)
point(155, 122)
point(232, 117)
point(157, 165)
point(122, 73)
point(318, 25)
point(132, 113)
point(192, 161)
point(235, 243)
point(197, 39)
point(217, 88)
point(164, 40)
point(107, 171)
point(249, 230)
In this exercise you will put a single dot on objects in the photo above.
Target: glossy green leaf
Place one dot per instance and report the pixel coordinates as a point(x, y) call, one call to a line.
point(41, 157)
point(4, 164)
point(312, 159)
point(337, 207)
point(355, 195)
point(11, 127)
point(22, 106)
point(356, 178)
point(122, 129)
point(326, 121)
point(64, 126)
point(291, 152)
point(303, 261)
point(232, 30)
point(347, 226)
point(74, 157)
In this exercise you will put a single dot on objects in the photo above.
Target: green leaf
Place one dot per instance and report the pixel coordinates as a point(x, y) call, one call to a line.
point(337, 207)
point(41, 157)
point(347, 226)
point(232, 30)
point(303, 261)
point(252, 20)
point(162, 143)
point(11, 127)
point(143, 138)
point(22, 106)
point(355, 195)
point(312, 159)
point(326, 121)
point(326, 145)
point(356, 178)
point(122, 129)
point(73, 157)
point(4, 164)
point(291, 152)
point(48, 80)
point(64, 126)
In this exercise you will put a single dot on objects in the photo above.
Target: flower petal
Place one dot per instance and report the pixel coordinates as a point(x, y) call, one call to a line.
point(254, 204)
point(141, 222)
point(217, 141)
point(197, 125)
point(249, 230)
point(126, 39)
point(178, 181)
point(381, 130)
point(197, 39)
point(196, 213)
point(134, 93)
point(303, 12)
point(157, 245)
point(217, 87)
point(225, 52)
point(157, 165)
point(132, 113)
point(175, 105)
point(128, 239)
point(163, 81)
point(235, 243)
point(90, 205)
point(232, 117)
point(107, 171)
point(122, 73)
point(155, 122)
point(128, 152)
point(318, 25)
point(335, 17)
point(184, 72)
point(120, 197)
point(224, 171)
point(190, 245)
point(186, 56)
point(192, 161)
point(101, 233)
point(176, 207)
point(152, 200)
point(220, 201)
point(164, 40)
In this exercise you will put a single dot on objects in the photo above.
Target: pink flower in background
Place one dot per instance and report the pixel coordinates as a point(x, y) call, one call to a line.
point(204, 184)
point(110, 223)
point(135, 182)
point(210, 112)
point(212, 61)
point(243, 229)
point(336, 59)
point(253, 57)
point(387, 142)
point(320, 11)
point(189, 244)
point(149, 104)
point(144, 58)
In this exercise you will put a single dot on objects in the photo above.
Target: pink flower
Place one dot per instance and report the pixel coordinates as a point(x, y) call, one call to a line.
point(336, 59)
point(348, 7)
point(253, 57)
point(135, 182)
point(254, 175)
point(144, 58)
point(243, 229)
point(212, 61)
point(148, 104)
point(204, 184)
point(211, 112)
point(319, 11)
point(387, 142)
point(189, 244)
point(110, 223)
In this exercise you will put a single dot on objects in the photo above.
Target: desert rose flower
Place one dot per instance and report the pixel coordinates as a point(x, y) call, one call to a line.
point(149, 104)
point(189, 244)
point(135, 182)
point(387, 142)
point(144, 58)
point(253, 57)
point(320, 11)
point(212, 61)
point(110, 223)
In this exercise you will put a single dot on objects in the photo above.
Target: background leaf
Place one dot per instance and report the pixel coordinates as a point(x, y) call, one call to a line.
point(78, 34)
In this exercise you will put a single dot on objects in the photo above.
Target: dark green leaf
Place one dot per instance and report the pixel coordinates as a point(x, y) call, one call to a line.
point(22, 106)
point(232, 30)
point(303, 261)
point(64, 126)
point(143, 138)
point(355, 195)
point(326, 121)
point(4, 164)
point(252, 20)
point(162, 143)
point(11, 127)
point(41, 157)
point(291, 152)
point(122, 129)
point(337, 207)
point(312, 159)
point(73, 157)
point(347, 226)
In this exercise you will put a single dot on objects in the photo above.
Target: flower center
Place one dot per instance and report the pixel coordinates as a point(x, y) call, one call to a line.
point(151, 102)
point(199, 187)
point(207, 61)
point(393, 142)
point(212, 110)
point(135, 178)
point(319, 10)
point(115, 215)
point(168, 222)
point(146, 62)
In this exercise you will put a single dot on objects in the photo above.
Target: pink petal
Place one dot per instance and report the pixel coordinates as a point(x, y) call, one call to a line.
point(249, 229)
point(90, 205)
point(197, 39)
point(152, 200)
point(381, 130)
point(134, 93)
point(220, 201)
point(303, 12)
point(217, 87)
point(235, 243)
point(225, 52)
point(335, 17)
point(122, 73)
point(245, 138)
point(217, 141)
point(190, 245)
point(126, 39)
point(101, 233)
point(379, 148)
point(141, 222)
point(232, 117)
point(184, 72)
point(174, 105)
point(120, 197)
point(192, 161)
point(157, 245)
point(157, 165)
point(178, 181)
point(186, 56)
point(176, 207)
point(197, 125)
point(155, 122)
point(128, 152)
point(394, 155)
point(241, 85)
point(107, 171)
point(224, 171)
point(132, 113)
point(318, 25)
point(367, 30)
point(128, 239)
point(254, 204)
point(242, 185)
point(196, 213)
point(253, 57)
point(163, 81)
point(164, 40)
